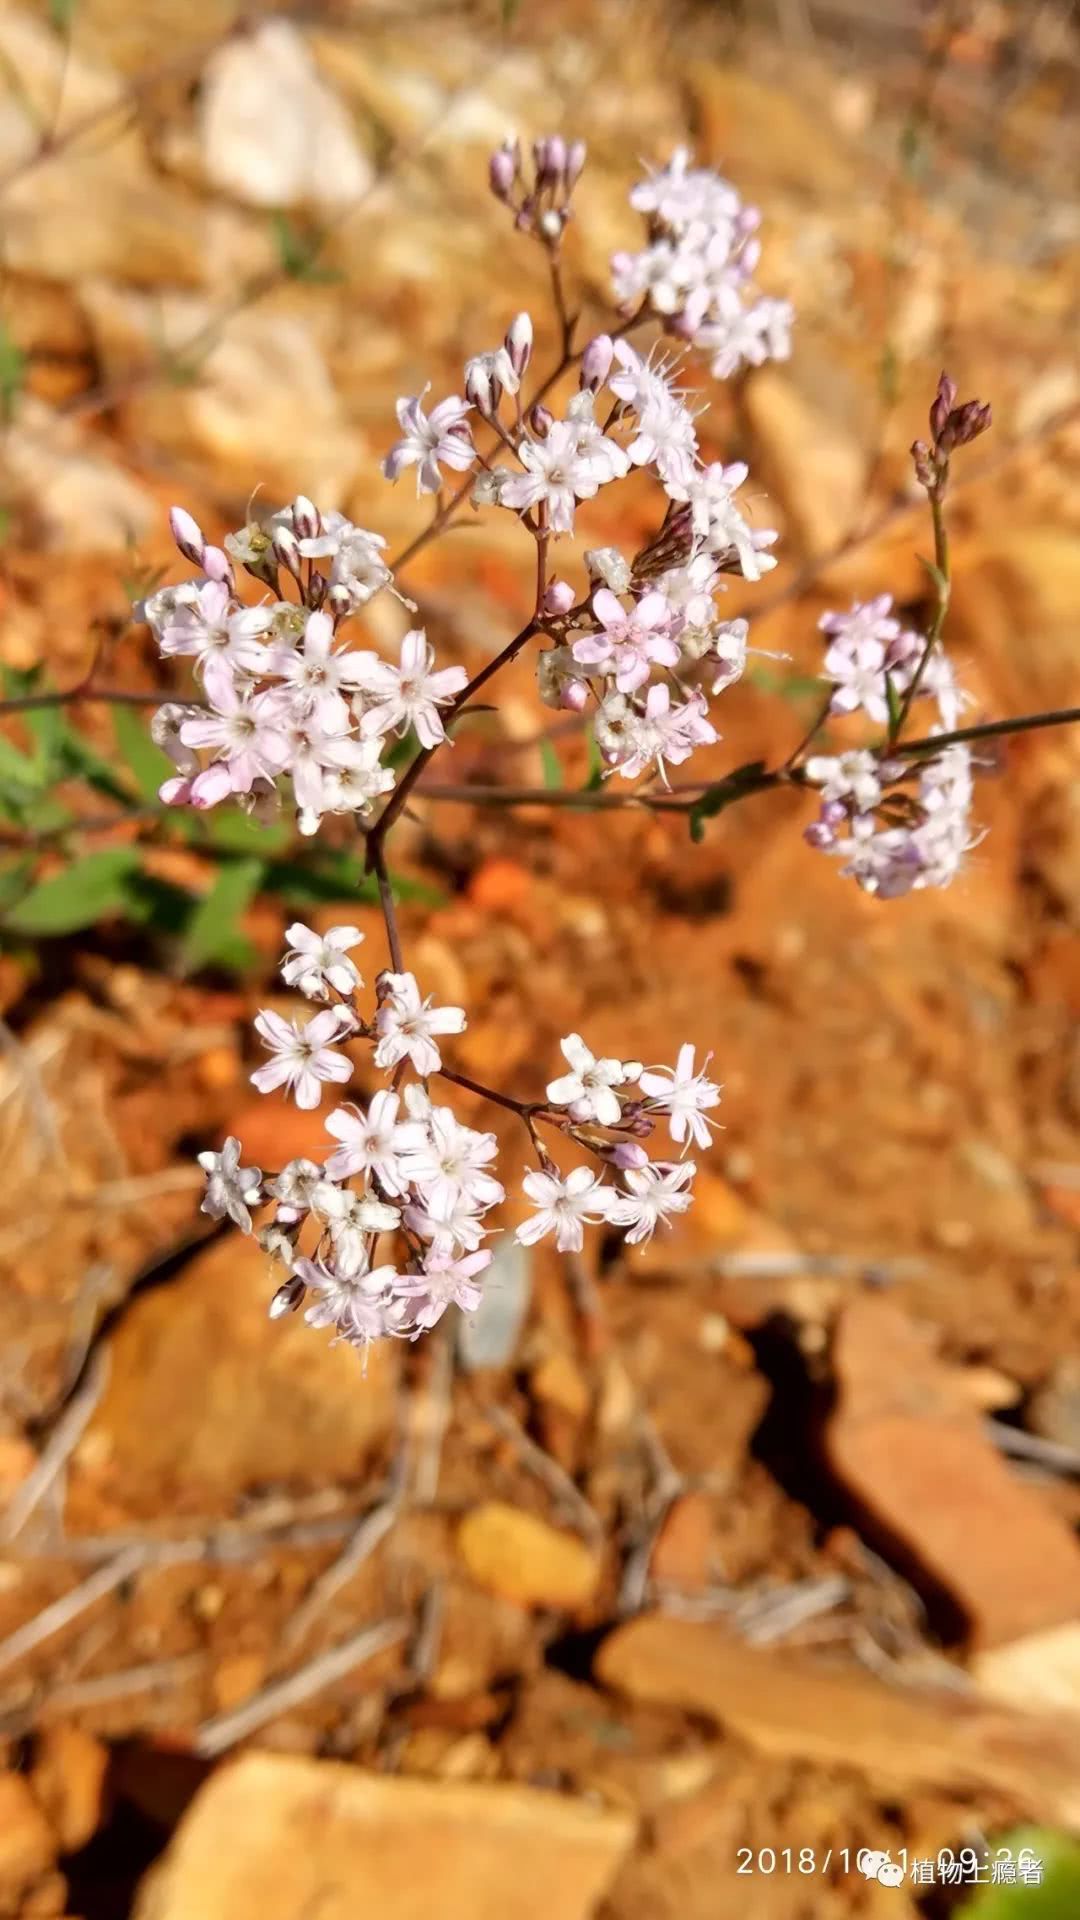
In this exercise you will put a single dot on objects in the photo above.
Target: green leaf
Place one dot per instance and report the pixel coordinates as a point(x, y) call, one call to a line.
point(233, 831)
point(298, 254)
point(736, 786)
point(936, 576)
point(12, 372)
point(14, 879)
point(339, 877)
point(18, 769)
point(552, 765)
point(89, 890)
point(212, 933)
point(61, 14)
point(146, 762)
point(895, 706)
point(78, 758)
point(1055, 1897)
point(594, 777)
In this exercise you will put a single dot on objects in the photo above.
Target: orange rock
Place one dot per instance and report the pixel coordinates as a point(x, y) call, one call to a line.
point(681, 1554)
point(68, 1777)
point(912, 1452)
point(276, 1838)
point(559, 1382)
point(522, 1558)
point(27, 1846)
point(271, 1131)
point(500, 885)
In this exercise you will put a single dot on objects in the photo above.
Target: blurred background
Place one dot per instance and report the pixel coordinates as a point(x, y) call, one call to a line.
point(682, 1578)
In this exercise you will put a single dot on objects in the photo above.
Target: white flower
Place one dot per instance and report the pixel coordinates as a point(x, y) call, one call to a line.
point(371, 1142)
point(351, 1218)
point(207, 623)
point(316, 961)
point(654, 1191)
point(294, 1187)
point(406, 1025)
point(230, 1188)
point(451, 1225)
point(684, 1095)
point(563, 1206)
point(847, 776)
point(447, 1279)
point(449, 1163)
point(317, 676)
point(362, 1306)
point(302, 1056)
point(410, 694)
point(569, 465)
point(587, 1088)
point(430, 440)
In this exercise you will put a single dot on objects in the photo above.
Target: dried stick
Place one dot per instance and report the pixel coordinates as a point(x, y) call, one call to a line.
point(216, 1735)
point(52, 1619)
point(58, 1448)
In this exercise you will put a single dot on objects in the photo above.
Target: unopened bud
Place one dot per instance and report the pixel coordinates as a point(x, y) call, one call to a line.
point(819, 835)
point(924, 463)
point(339, 602)
point(316, 590)
point(519, 342)
point(307, 521)
point(559, 597)
point(550, 226)
point(287, 1298)
point(943, 404)
point(540, 422)
point(217, 566)
point(188, 535)
point(575, 163)
point(503, 170)
point(965, 424)
point(596, 362)
point(627, 1154)
point(574, 696)
point(479, 387)
point(287, 550)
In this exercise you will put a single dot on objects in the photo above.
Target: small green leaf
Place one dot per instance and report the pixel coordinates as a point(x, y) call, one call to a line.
point(90, 890)
point(12, 372)
point(14, 879)
point(233, 831)
point(298, 254)
point(17, 769)
point(212, 930)
point(552, 765)
point(895, 706)
point(146, 762)
point(78, 758)
point(594, 777)
point(936, 576)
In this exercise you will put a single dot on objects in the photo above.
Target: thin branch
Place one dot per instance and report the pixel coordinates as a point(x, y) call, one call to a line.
point(216, 1735)
point(54, 1618)
point(371, 1531)
point(78, 696)
point(564, 1491)
point(58, 1448)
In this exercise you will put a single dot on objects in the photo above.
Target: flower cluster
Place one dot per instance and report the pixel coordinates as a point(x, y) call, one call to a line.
point(282, 697)
point(402, 1166)
point(696, 270)
point(899, 824)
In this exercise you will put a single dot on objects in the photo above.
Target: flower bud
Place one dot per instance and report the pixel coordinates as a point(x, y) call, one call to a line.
point(188, 535)
point(943, 404)
point(479, 387)
point(316, 591)
point(575, 163)
point(607, 567)
point(307, 521)
point(503, 170)
point(550, 226)
point(559, 597)
point(339, 602)
point(287, 1298)
point(217, 566)
point(819, 835)
point(596, 362)
point(519, 342)
point(287, 550)
point(627, 1154)
point(574, 696)
point(540, 422)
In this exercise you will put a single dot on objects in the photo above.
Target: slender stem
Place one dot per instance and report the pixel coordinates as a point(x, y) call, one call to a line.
point(520, 1107)
point(585, 800)
point(943, 587)
point(377, 863)
point(567, 321)
point(990, 730)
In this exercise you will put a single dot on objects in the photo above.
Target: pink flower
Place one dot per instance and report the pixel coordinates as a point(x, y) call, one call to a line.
point(654, 1192)
point(447, 1280)
point(406, 1026)
point(246, 734)
point(571, 464)
point(563, 1206)
point(588, 1088)
point(372, 1142)
point(632, 642)
point(206, 622)
point(302, 1056)
point(683, 1095)
point(430, 440)
point(410, 694)
point(316, 675)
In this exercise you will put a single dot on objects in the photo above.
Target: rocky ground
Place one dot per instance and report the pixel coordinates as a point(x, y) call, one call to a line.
point(765, 1538)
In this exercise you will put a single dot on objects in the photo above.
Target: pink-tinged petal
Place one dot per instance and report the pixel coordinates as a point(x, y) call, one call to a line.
point(307, 1092)
point(608, 609)
point(175, 792)
point(219, 679)
point(211, 786)
point(592, 649)
point(273, 1074)
point(318, 634)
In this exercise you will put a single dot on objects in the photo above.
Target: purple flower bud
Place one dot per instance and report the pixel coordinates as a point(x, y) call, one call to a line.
point(819, 835)
point(943, 404)
point(540, 422)
point(965, 424)
point(833, 813)
point(519, 342)
point(575, 163)
point(287, 550)
point(574, 695)
point(559, 597)
point(217, 566)
point(596, 362)
point(316, 591)
point(502, 171)
point(307, 521)
point(628, 1154)
point(188, 535)
point(479, 388)
point(287, 1298)
point(924, 463)
point(339, 602)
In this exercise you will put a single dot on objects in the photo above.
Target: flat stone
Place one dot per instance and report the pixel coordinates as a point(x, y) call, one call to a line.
point(274, 1837)
point(208, 1398)
point(522, 1558)
point(911, 1451)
